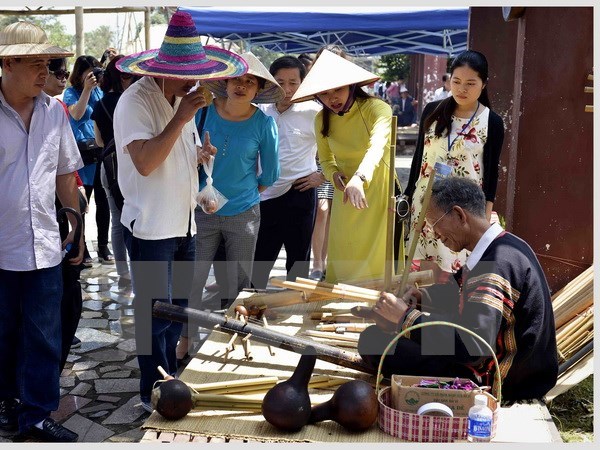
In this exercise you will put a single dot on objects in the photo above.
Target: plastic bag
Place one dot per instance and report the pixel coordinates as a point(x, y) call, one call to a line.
point(209, 198)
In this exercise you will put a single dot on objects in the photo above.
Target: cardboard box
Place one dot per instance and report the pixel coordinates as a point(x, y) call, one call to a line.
point(407, 398)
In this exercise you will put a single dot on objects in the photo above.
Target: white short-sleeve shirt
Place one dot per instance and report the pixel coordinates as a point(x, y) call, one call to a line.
point(297, 145)
point(161, 204)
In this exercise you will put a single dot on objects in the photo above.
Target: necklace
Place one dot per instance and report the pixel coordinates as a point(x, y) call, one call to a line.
point(450, 144)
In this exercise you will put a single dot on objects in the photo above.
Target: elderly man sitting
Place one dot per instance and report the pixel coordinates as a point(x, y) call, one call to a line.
point(501, 294)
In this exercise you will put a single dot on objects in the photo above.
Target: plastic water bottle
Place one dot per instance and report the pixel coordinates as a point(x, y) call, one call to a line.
point(480, 421)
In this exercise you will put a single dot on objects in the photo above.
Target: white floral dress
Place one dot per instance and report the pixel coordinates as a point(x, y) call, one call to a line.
point(466, 160)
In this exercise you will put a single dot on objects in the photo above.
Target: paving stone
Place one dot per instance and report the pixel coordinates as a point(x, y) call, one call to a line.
point(108, 398)
point(85, 365)
point(93, 323)
point(81, 389)
point(114, 386)
point(121, 298)
point(99, 414)
point(63, 391)
point(108, 369)
point(128, 312)
point(134, 435)
point(115, 327)
point(118, 374)
point(94, 305)
point(68, 405)
point(95, 295)
point(109, 355)
point(91, 288)
point(91, 315)
point(132, 363)
point(87, 375)
point(100, 407)
point(127, 345)
point(92, 339)
point(114, 314)
point(66, 382)
point(73, 358)
point(8, 440)
point(112, 306)
point(66, 372)
point(100, 281)
point(127, 413)
point(88, 430)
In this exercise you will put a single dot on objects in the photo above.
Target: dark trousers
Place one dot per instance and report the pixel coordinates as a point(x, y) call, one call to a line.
point(30, 341)
point(287, 221)
point(102, 209)
point(161, 270)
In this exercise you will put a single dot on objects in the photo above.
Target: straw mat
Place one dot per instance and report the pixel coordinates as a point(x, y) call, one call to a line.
point(210, 365)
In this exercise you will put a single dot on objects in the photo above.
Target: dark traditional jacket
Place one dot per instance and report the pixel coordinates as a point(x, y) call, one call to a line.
point(491, 154)
point(505, 299)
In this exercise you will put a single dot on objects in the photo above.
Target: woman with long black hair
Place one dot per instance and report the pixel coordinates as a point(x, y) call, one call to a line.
point(463, 133)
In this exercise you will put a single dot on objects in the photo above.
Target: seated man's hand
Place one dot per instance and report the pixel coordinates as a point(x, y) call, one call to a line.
point(390, 307)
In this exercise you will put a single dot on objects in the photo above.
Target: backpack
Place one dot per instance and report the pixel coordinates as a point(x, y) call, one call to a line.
point(109, 161)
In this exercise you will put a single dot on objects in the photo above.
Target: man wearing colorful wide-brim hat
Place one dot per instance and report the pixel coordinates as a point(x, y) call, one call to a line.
point(38, 157)
point(158, 152)
point(353, 143)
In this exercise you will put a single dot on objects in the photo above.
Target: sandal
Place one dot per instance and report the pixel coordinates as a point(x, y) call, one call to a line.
point(104, 255)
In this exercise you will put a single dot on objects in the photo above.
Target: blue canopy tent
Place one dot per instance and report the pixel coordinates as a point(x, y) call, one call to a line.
point(361, 31)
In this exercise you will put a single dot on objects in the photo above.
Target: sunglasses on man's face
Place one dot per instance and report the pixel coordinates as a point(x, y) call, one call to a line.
point(60, 74)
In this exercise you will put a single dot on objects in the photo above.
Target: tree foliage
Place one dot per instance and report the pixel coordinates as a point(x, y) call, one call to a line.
point(394, 67)
point(98, 40)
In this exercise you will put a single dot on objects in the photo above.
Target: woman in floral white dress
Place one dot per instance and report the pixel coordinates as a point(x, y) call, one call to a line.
point(463, 133)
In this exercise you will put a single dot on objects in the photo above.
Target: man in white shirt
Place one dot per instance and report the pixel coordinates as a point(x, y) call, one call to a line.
point(38, 157)
point(158, 156)
point(443, 92)
point(287, 208)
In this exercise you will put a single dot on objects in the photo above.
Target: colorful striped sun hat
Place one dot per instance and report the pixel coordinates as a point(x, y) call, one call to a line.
point(182, 56)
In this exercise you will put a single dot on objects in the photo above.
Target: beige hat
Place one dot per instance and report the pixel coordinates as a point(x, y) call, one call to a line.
point(24, 39)
point(271, 93)
point(331, 71)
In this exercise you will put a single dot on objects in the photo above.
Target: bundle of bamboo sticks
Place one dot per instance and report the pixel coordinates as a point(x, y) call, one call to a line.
point(248, 394)
point(574, 298)
point(574, 314)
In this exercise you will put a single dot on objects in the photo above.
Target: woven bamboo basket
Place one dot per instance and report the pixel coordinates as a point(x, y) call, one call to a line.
point(416, 428)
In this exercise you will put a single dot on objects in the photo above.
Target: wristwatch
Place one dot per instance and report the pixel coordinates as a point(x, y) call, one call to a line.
point(361, 176)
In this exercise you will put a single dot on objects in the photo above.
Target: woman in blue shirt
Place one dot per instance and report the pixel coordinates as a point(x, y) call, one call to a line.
point(80, 98)
point(246, 163)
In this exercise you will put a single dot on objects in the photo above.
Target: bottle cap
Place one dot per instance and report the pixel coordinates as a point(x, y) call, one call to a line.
point(481, 399)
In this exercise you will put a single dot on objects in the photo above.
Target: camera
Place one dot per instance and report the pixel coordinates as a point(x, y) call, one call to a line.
point(98, 72)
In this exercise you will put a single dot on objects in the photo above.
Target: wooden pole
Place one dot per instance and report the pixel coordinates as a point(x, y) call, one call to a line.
point(79, 36)
point(389, 242)
point(147, 12)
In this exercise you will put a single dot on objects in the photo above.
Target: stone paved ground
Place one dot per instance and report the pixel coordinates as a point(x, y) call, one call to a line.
point(100, 382)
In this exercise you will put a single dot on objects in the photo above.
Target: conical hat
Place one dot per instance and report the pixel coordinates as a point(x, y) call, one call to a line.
point(25, 40)
point(271, 93)
point(331, 71)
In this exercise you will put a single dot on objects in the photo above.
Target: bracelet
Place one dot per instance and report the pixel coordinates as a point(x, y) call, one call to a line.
point(361, 176)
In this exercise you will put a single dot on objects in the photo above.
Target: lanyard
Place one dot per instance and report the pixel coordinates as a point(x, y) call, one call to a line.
point(450, 144)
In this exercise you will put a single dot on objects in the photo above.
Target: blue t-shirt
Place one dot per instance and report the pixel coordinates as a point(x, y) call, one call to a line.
point(84, 127)
point(239, 145)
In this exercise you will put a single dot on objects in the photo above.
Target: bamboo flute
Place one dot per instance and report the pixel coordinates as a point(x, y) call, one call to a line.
point(332, 293)
point(391, 214)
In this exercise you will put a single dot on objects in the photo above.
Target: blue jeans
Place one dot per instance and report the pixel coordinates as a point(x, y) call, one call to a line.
point(30, 341)
point(116, 230)
point(162, 270)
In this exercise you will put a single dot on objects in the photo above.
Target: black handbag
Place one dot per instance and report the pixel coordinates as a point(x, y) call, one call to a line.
point(89, 151)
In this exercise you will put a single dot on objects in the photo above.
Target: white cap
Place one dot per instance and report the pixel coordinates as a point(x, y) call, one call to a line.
point(481, 399)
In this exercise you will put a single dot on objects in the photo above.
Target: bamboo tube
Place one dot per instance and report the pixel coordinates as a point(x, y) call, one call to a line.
point(423, 277)
point(335, 342)
point(326, 335)
point(234, 383)
point(346, 287)
point(391, 213)
point(574, 298)
point(331, 293)
point(352, 327)
point(589, 108)
point(416, 232)
point(588, 90)
point(283, 298)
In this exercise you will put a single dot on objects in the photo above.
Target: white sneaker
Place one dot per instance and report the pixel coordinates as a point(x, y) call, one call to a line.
point(147, 407)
